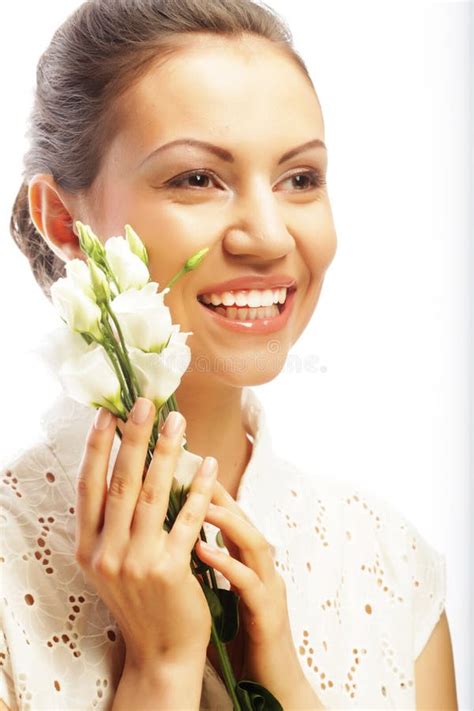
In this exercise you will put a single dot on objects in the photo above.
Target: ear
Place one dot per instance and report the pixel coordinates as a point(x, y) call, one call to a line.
point(51, 212)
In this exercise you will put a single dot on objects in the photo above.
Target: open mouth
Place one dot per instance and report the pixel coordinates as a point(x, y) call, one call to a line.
point(248, 305)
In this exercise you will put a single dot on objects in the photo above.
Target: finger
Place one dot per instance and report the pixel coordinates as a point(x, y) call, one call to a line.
point(242, 578)
point(221, 497)
point(153, 499)
point(253, 547)
point(126, 480)
point(189, 520)
point(91, 484)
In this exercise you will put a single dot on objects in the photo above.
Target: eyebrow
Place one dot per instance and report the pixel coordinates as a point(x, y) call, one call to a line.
point(226, 155)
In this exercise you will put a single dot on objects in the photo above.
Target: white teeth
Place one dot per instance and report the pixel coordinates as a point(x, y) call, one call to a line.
point(248, 314)
point(228, 298)
point(254, 298)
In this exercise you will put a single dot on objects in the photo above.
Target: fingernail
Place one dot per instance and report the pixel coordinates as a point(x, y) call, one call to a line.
point(102, 418)
point(141, 410)
point(209, 466)
point(173, 423)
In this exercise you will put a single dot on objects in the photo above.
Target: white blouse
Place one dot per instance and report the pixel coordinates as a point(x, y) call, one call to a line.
point(364, 588)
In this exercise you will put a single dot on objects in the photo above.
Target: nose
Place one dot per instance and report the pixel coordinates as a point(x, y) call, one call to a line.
point(258, 228)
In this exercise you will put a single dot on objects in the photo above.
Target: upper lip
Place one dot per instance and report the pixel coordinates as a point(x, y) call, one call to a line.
point(252, 281)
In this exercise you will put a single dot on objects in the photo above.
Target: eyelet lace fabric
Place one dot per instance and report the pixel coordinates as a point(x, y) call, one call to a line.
point(364, 588)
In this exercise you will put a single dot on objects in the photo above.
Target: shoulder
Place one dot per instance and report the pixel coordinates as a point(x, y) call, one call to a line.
point(385, 554)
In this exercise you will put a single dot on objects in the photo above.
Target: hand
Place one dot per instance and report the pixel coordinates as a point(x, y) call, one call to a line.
point(270, 656)
point(141, 571)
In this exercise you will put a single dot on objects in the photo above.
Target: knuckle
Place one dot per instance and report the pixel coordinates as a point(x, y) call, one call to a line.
point(166, 445)
point(81, 556)
point(263, 544)
point(133, 570)
point(94, 442)
point(149, 495)
point(160, 573)
point(188, 515)
point(118, 485)
point(106, 565)
point(82, 486)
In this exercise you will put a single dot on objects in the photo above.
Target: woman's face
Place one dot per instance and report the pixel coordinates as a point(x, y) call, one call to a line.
point(259, 215)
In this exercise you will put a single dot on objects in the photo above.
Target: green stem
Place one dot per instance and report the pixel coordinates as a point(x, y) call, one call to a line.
point(229, 678)
point(115, 349)
point(123, 385)
point(224, 661)
point(177, 276)
point(134, 382)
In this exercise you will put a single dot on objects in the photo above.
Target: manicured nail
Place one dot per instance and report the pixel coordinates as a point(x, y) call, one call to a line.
point(209, 466)
point(141, 410)
point(173, 423)
point(102, 418)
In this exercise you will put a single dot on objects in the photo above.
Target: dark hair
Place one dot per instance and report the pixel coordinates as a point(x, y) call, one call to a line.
point(94, 57)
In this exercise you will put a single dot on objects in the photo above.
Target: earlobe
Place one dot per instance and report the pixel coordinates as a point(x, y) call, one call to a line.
point(52, 218)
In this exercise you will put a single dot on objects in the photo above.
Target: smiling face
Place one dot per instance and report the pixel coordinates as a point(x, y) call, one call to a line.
point(258, 214)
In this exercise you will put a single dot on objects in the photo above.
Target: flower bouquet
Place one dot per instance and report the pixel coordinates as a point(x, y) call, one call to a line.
point(119, 343)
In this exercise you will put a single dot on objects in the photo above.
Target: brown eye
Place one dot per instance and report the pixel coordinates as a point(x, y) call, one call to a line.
point(200, 178)
point(309, 179)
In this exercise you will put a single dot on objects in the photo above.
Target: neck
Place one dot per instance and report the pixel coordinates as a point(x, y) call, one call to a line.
point(214, 427)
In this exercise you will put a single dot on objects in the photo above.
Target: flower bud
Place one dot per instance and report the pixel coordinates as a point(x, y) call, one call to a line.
point(135, 244)
point(92, 244)
point(99, 281)
point(196, 259)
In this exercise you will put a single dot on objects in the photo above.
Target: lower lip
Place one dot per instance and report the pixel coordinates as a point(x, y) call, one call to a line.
point(261, 325)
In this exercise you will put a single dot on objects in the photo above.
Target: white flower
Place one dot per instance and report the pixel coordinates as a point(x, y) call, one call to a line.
point(73, 297)
point(159, 374)
point(129, 269)
point(77, 271)
point(84, 371)
point(186, 467)
point(144, 319)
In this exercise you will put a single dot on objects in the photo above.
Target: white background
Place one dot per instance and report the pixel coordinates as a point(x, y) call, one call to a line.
point(388, 404)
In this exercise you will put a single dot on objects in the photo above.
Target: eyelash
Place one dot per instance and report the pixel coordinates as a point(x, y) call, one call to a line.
point(317, 179)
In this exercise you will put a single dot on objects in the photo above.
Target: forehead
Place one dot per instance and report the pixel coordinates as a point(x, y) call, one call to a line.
point(222, 87)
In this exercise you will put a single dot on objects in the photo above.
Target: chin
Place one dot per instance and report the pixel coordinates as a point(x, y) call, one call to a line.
point(257, 370)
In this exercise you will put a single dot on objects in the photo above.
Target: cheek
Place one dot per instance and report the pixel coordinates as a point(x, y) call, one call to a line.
point(175, 234)
point(318, 247)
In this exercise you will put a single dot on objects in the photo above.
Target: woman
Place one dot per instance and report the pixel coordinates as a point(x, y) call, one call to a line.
point(196, 122)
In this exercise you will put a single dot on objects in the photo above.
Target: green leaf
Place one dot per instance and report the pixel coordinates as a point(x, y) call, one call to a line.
point(224, 607)
point(230, 618)
point(215, 607)
point(260, 698)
